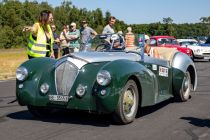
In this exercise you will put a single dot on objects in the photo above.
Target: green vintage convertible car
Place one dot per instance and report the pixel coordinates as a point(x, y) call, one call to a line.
point(115, 82)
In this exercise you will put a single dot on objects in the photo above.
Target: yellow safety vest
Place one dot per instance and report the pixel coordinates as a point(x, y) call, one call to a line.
point(37, 48)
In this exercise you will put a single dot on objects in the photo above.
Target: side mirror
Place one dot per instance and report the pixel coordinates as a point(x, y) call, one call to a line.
point(102, 36)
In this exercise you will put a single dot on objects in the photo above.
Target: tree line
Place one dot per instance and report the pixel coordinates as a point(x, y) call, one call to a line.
point(14, 15)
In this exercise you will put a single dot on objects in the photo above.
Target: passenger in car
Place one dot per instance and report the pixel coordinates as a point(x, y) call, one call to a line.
point(148, 50)
point(119, 43)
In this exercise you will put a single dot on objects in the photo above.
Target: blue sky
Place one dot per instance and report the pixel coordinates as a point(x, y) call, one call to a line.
point(147, 11)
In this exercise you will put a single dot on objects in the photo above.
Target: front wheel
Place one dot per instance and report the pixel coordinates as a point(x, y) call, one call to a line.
point(185, 90)
point(128, 104)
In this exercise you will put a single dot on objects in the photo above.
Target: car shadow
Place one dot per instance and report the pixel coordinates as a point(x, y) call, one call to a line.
point(197, 122)
point(83, 118)
point(150, 109)
point(66, 116)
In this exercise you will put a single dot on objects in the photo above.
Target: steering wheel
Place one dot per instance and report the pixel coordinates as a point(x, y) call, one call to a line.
point(103, 47)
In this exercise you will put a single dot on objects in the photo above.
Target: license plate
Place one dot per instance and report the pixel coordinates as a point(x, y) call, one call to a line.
point(59, 98)
point(206, 57)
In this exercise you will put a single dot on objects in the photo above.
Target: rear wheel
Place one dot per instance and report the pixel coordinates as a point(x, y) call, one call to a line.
point(128, 104)
point(185, 90)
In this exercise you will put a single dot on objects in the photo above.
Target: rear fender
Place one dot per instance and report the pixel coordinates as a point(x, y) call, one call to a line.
point(181, 64)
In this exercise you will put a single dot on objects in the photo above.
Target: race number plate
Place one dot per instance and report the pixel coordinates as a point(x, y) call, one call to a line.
point(59, 98)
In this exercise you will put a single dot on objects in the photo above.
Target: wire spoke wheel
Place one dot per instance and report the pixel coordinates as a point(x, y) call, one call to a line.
point(128, 104)
point(186, 87)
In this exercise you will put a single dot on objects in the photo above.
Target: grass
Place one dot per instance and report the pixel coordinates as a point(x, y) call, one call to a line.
point(10, 59)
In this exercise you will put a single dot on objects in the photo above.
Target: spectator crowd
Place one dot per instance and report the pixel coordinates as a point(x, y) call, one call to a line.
point(45, 42)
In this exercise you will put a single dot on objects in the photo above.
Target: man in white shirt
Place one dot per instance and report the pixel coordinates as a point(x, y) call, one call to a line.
point(108, 29)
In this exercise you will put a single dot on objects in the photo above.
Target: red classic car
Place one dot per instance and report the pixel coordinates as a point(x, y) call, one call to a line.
point(169, 42)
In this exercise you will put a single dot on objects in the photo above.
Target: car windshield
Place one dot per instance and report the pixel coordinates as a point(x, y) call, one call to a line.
point(167, 41)
point(190, 43)
point(107, 42)
point(153, 42)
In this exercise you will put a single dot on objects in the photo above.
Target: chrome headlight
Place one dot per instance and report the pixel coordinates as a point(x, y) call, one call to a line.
point(103, 77)
point(44, 88)
point(21, 73)
point(81, 90)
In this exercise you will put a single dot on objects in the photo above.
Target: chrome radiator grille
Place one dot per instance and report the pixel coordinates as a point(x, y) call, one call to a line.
point(65, 75)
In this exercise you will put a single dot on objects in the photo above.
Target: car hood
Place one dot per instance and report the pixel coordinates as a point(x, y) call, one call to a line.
point(82, 58)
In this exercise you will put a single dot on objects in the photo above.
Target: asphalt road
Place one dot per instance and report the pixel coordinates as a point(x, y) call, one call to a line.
point(166, 121)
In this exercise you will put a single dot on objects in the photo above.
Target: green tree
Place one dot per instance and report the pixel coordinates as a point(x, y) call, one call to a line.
point(7, 37)
point(15, 14)
point(169, 26)
point(206, 21)
point(107, 15)
point(62, 14)
point(167, 20)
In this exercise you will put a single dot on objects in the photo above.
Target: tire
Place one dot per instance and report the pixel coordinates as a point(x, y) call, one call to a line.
point(39, 112)
point(128, 104)
point(102, 47)
point(185, 90)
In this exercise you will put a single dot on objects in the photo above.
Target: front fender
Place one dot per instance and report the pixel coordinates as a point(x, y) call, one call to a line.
point(39, 69)
point(121, 71)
